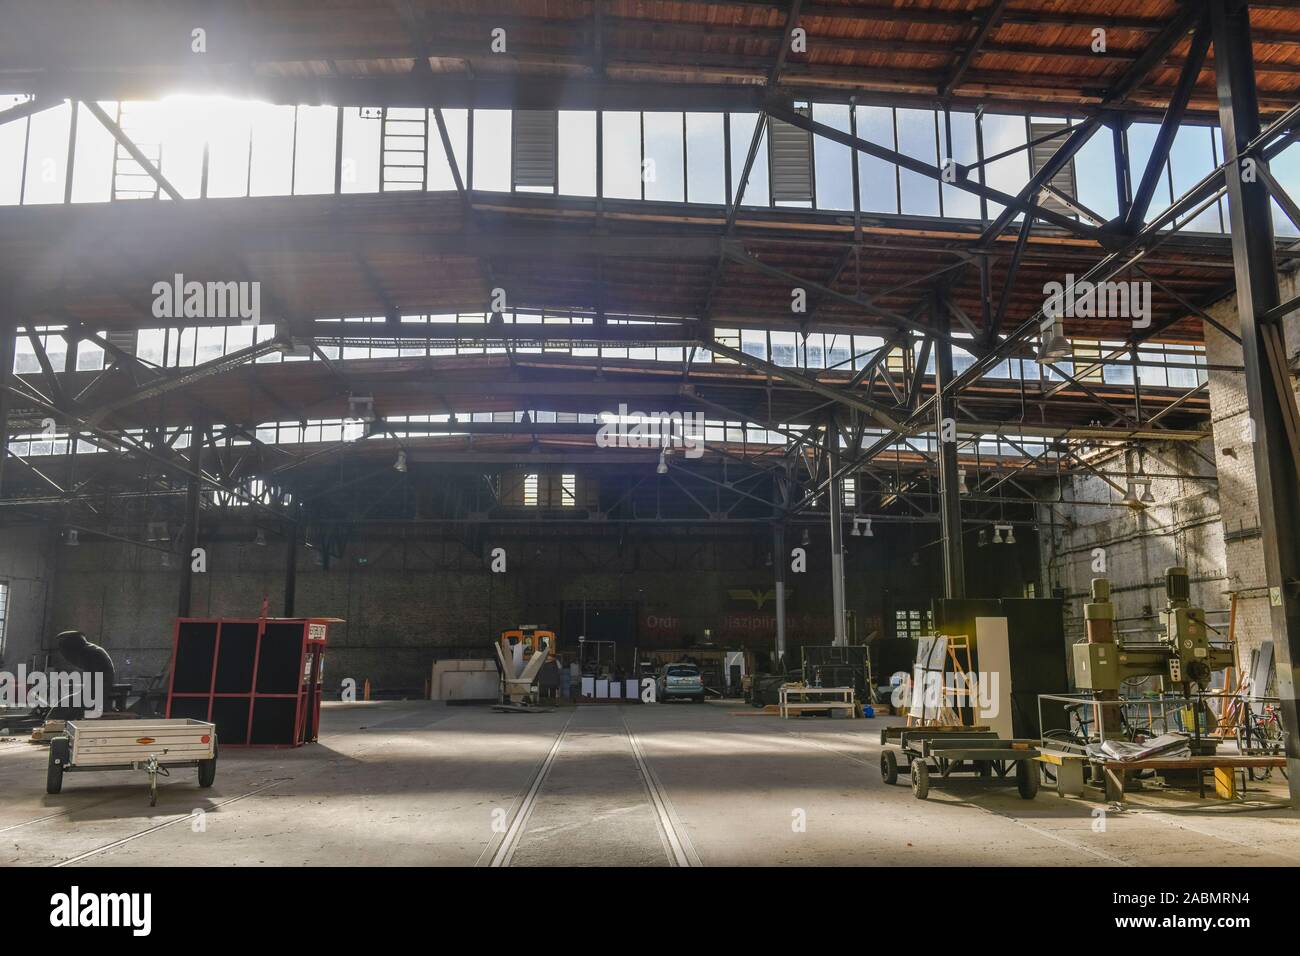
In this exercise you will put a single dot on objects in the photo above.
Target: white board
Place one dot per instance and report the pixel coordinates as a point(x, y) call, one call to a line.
point(993, 649)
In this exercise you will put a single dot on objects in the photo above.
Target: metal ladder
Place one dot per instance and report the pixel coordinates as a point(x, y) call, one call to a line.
point(130, 180)
point(404, 149)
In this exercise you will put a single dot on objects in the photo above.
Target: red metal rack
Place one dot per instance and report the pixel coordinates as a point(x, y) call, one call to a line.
point(257, 679)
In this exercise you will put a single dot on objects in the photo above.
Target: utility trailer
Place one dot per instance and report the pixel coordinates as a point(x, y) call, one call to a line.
point(154, 746)
point(946, 751)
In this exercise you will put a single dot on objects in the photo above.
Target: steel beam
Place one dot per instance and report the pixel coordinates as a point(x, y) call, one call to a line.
point(1271, 399)
point(129, 145)
point(967, 57)
point(834, 393)
point(1015, 204)
point(1169, 124)
point(1027, 199)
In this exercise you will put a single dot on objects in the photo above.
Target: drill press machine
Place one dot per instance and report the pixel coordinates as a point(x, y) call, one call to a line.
point(1180, 656)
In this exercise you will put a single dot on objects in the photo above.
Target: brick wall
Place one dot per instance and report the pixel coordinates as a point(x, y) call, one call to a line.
point(408, 602)
point(1234, 456)
point(1181, 527)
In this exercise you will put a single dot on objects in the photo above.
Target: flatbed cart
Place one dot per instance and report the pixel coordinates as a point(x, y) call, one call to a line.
point(154, 746)
point(945, 751)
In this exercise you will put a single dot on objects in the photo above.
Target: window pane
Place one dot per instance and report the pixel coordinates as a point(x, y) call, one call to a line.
point(663, 157)
point(705, 172)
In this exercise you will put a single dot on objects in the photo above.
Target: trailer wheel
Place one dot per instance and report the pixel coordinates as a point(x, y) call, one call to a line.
point(59, 753)
point(208, 768)
point(920, 779)
point(1027, 778)
point(888, 767)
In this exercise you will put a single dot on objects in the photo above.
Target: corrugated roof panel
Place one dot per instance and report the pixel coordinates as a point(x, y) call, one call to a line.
point(534, 145)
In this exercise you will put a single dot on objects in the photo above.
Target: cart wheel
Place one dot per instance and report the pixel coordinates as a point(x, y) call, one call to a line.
point(1027, 778)
point(920, 779)
point(208, 768)
point(59, 752)
point(888, 767)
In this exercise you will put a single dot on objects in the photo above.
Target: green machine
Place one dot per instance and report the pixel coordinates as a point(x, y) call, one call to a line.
point(1182, 655)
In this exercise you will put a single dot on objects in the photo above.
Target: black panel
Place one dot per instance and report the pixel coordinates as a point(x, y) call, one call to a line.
point(889, 655)
point(192, 672)
point(273, 720)
point(235, 658)
point(1036, 645)
point(230, 714)
point(277, 667)
point(195, 708)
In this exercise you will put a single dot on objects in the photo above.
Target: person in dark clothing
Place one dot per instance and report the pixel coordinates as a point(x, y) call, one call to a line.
point(548, 680)
point(86, 658)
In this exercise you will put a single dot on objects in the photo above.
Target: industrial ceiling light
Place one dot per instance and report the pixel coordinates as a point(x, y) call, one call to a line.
point(400, 464)
point(292, 346)
point(1053, 346)
point(997, 534)
point(961, 482)
point(1008, 534)
point(1147, 497)
point(857, 529)
point(1131, 496)
point(361, 408)
point(70, 537)
point(260, 539)
point(866, 528)
point(662, 467)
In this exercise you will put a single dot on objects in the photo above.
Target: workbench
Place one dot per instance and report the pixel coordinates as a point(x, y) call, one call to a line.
point(1069, 770)
point(840, 698)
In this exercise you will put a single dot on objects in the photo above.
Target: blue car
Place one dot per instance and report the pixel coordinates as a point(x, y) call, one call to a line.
point(680, 680)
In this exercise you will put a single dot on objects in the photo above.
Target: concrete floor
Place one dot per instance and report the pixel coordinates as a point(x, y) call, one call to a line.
point(415, 783)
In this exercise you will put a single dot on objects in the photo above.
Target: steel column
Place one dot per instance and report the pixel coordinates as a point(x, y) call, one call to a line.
point(291, 570)
point(954, 565)
point(779, 559)
point(836, 491)
point(1271, 401)
point(8, 338)
point(190, 536)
